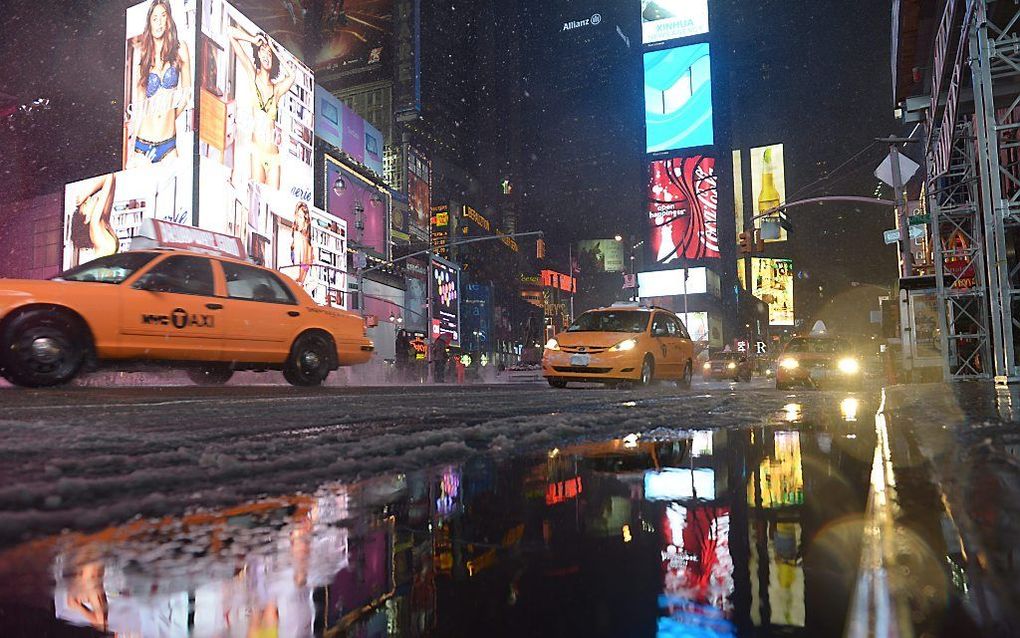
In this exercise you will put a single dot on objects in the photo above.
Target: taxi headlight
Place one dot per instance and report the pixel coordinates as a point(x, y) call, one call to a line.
point(552, 344)
point(848, 365)
point(731, 366)
point(789, 363)
point(707, 366)
point(624, 346)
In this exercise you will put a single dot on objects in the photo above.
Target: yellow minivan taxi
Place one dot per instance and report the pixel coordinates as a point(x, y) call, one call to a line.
point(621, 343)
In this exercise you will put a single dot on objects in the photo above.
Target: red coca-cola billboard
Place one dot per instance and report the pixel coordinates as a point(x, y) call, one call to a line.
point(682, 208)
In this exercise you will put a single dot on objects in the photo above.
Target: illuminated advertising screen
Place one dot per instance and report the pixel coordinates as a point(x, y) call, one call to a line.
point(360, 45)
point(768, 181)
point(553, 279)
point(102, 214)
point(312, 250)
point(606, 255)
point(340, 126)
point(360, 203)
point(255, 133)
point(697, 325)
point(772, 282)
point(682, 206)
point(159, 72)
point(738, 193)
point(439, 224)
point(663, 20)
point(445, 300)
point(419, 193)
point(678, 98)
point(666, 283)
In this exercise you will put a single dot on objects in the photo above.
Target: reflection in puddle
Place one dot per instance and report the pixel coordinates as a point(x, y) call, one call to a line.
point(697, 532)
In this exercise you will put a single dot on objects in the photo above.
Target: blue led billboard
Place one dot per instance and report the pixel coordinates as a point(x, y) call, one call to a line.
point(678, 98)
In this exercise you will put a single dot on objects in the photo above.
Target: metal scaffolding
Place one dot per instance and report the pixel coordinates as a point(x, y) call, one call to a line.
point(959, 258)
point(973, 187)
point(995, 72)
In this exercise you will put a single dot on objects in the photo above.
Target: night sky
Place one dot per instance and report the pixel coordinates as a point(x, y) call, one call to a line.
point(812, 75)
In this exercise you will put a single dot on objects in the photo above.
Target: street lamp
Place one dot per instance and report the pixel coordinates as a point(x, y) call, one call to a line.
point(339, 185)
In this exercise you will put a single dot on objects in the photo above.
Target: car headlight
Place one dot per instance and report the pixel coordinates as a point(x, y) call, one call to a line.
point(848, 365)
point(731, 366)
point(707, 366)
point(789, 363)
point(624, 346)
point(552, 344)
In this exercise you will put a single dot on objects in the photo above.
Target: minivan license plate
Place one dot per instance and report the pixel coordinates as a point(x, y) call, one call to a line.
point(580, 360)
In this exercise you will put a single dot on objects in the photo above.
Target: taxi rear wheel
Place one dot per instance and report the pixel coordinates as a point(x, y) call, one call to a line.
point(42, 348)
point(684, 382)
point(210, 375)
point(308, 363)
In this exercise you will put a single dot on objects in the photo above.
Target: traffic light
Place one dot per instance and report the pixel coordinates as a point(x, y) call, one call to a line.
point(744, 240)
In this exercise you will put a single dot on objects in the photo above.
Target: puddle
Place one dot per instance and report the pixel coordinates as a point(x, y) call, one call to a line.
point(683, 532)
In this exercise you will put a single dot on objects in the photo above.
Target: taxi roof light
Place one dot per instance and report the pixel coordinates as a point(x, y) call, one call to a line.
point(163, 235)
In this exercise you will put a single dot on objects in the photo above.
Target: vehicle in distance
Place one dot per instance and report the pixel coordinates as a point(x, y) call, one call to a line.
point(622, 343)
point(815, 361)
point(734, 366)
point(207, 314)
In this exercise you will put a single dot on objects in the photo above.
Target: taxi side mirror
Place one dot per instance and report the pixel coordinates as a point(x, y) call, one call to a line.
point(659, 332)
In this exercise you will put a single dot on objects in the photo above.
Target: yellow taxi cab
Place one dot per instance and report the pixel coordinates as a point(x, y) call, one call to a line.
point(205, 312)
point(621, 343)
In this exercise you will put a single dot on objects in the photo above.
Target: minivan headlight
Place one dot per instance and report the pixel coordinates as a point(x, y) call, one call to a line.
point(848, 365)
point(624, 346)
point(789, 363)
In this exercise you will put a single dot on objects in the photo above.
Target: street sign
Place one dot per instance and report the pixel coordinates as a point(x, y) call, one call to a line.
point(630, 281)
point(892, 236)
point(907, 169)
point(919, 220)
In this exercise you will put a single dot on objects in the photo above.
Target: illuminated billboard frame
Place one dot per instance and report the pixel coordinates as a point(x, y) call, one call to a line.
point(772, 282)
point(605, 254)
point(445, 294)
point(683, 204)
point(663, 20)
point(678, 98)
point(768, 182)
point(359, 202)
point(669, 283)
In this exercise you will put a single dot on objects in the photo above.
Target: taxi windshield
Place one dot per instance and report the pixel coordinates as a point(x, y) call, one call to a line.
point(627, 321)
point(112, 269)
point(818, 346)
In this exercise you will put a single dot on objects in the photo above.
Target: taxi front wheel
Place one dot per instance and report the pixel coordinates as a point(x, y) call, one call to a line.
point(42, 348)
point(308, 363)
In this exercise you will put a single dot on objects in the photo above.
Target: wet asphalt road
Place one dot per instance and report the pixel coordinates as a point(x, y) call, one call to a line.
point(728, 509)
point(724, 510)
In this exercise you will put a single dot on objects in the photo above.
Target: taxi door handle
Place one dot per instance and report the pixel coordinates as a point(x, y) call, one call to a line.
point(293, 313)
point(214, 306)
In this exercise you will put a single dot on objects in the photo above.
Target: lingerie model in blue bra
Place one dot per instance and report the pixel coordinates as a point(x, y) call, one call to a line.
point(156, 151)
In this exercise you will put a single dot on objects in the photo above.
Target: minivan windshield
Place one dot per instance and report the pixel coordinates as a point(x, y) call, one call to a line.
point(818, 346)
point(618, 321)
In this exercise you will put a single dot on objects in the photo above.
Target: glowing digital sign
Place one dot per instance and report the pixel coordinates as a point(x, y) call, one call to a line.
point(445, 295)
point(768, 181)
point(683, 205)
point(663, 20)
point(772, 282)
point(678, 98)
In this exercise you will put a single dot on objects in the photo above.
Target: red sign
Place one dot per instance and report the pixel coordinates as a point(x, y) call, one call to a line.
point(553, 279)
point(682, 207)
